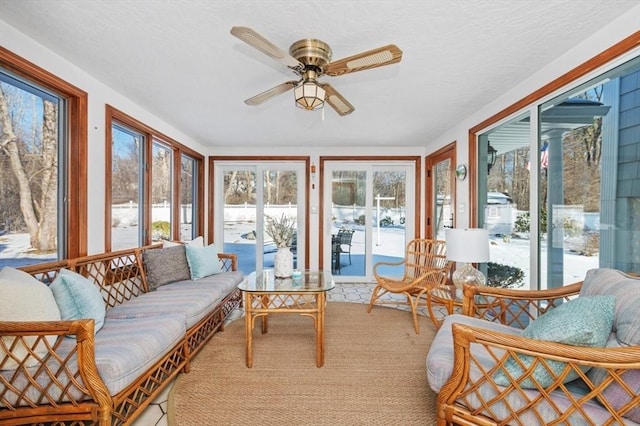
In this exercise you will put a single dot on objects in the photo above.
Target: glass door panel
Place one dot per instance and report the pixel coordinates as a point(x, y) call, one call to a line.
point(280, 198)
point(504, 191)
point(252, 192)
point(390, 212)
point(443, 213)
point(240, 217)
point(368, 215)
point(348, 222)
point(441, 191)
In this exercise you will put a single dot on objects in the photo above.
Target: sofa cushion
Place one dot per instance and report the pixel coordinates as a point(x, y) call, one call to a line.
point(203, 261)
point(223, 283)
point(615, 394)
point(626, 289)
point(192, 305)
point(585, 321)
point(77, 297)
point(166, 265)
point(24, 298)
point(439, 359)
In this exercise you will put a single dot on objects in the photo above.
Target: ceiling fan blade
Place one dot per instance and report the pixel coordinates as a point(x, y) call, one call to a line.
point(268, 94)
point(255, 40)
point(381, 56)
point(336, 100)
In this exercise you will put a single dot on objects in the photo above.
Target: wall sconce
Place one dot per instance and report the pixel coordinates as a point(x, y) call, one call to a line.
point(491, 156)
point(313, 176)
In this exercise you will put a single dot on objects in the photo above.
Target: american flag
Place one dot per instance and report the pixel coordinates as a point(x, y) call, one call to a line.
point(544, 155)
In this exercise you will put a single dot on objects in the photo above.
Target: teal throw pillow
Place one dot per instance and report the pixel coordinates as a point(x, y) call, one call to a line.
point(585, 321)
point(77, 297)
point(203, 261)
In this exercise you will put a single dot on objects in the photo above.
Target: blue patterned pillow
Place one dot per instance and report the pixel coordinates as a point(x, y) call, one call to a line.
point(203, 261)
point(77, 297)
point(585, 321)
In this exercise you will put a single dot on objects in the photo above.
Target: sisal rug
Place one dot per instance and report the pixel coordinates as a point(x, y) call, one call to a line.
point(374, 373)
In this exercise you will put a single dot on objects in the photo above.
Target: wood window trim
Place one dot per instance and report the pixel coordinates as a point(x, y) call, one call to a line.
point(77, 120)
point(113, 115)
point(417, 160)
point(447, 151)
point(307, 205)
point(599, 60)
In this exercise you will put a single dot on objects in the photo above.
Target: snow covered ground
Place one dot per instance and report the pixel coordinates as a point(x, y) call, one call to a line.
point(388, 242)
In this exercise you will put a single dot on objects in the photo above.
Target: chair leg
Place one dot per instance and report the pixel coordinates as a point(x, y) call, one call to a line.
point(414, 311)
point(349, 255)
point(374, 297)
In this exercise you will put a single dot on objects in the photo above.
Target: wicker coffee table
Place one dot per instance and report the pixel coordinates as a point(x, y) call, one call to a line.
point(264, 295)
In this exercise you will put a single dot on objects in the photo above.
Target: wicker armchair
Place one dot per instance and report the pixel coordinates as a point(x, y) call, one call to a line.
point(606, 387)
point(424, 266)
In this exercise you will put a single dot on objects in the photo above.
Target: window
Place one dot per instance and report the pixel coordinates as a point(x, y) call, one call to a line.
point(188, 198)
point(43, 123)
point(149, 198)
point(569, 185)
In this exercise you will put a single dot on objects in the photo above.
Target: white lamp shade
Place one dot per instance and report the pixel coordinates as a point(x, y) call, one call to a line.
point(309, 95)
point(467, 245)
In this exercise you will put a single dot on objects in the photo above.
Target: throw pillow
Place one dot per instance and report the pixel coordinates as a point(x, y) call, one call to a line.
point(166, 244)
point(166, 265)
point(626, 289)
point(203, 261)
point(585, 321)
point(196, 242)
point(78, 297)
point(24, 298)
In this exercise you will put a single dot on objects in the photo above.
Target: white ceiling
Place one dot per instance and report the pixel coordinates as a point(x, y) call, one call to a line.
point(177, 59)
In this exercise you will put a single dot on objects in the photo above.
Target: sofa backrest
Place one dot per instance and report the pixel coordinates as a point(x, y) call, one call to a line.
point(117, 274)
point(626, 289)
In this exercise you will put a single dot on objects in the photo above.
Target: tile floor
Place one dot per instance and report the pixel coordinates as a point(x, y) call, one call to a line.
point(156, 413)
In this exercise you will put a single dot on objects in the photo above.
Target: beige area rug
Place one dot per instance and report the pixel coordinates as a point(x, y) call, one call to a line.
point(374, 373)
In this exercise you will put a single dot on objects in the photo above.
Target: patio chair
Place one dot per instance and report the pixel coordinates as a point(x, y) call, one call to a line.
point(425, 266)
point(344, 237)
point(335, 254)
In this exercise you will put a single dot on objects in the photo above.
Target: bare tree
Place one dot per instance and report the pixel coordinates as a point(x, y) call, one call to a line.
point(37, 190)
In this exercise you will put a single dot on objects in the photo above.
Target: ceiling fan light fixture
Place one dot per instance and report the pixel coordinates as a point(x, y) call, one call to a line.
point(309, 95)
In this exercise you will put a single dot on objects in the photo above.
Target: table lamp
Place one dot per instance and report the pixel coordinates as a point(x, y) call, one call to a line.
point(467, 246)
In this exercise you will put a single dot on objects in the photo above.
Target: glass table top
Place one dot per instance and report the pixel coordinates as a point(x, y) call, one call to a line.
point(309, 281)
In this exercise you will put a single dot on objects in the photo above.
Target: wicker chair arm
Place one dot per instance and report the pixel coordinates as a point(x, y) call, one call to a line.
point(419, 284)
point(229, 261)
point(470, 341)
point(375, 267)
point(512, 306)
point(62, 374)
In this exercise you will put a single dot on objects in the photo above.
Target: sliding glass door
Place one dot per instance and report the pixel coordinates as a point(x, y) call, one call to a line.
point(561, 196)
point(368, 216)
point(246, 194)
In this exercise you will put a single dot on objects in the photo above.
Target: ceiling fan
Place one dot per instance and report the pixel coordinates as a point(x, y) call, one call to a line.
point(310, 59)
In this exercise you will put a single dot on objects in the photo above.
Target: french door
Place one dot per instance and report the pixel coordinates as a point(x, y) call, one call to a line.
point(372, 204)
point(441, 190)
point(246, 193)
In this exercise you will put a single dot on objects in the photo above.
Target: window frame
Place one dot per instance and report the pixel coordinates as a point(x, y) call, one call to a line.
point(74, 225)
point(115, 116)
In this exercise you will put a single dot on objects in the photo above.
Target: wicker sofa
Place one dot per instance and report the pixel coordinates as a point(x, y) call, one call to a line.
point(147, 338)
point(472, 358)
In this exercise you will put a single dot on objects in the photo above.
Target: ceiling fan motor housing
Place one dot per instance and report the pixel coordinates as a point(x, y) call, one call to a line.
point(313, 53)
